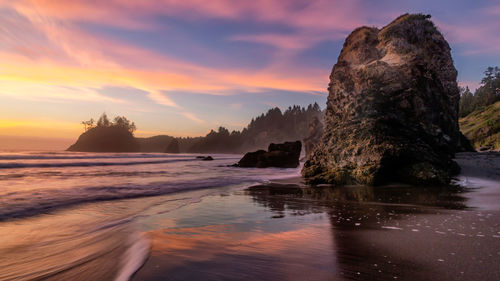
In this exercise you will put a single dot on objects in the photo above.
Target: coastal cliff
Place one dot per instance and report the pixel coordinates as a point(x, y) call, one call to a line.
point(392, 109)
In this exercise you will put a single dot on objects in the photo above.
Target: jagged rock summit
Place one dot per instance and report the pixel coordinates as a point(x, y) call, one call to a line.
point(392, 109)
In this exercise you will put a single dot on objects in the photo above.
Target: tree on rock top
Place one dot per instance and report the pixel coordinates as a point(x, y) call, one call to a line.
point(107, 136)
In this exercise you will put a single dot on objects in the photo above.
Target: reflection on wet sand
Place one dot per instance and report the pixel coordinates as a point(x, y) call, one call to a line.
point(288, 232)
point(223, 252)
point(396, 232)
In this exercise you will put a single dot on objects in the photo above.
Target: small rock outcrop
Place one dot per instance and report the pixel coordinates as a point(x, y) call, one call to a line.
point(172, 147)
point(392, 109)
point(313, 136)
point(106, 139)
point(282, 155)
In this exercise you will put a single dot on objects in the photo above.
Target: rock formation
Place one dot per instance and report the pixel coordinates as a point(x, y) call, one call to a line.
point(283, 155)
point(314, 136)
point(106, 139)
point(392, 109)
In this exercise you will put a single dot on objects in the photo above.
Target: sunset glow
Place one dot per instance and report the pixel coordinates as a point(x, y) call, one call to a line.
point(184, 67)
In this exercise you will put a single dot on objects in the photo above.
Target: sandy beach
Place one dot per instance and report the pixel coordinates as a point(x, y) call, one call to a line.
point(279, 230)
point(286, 231)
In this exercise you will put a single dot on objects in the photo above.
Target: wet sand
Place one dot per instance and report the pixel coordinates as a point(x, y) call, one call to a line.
point(283, 230)
point(286, 231)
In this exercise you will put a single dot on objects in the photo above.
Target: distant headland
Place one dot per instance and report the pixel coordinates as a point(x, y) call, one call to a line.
point(274, 126)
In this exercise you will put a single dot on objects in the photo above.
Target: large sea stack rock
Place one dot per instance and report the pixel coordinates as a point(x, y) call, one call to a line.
point(282, 155)
point(392, 109)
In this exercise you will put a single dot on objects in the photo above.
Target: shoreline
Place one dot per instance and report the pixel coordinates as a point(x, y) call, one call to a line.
point(278, 230)
point(394, 232)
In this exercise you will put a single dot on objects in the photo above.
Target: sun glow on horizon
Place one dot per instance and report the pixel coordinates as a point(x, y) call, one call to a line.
point(183, 68)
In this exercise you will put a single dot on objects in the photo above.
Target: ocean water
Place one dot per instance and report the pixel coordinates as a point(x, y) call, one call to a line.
point(73, 216)
point(34, 182)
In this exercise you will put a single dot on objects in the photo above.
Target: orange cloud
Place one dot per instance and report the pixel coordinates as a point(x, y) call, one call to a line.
point(95, 62)
point(47, 56)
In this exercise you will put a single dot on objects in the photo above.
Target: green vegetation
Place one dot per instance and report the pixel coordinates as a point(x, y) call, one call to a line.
point(103, 121)
point(480, 111)
point(482, 127)
point(274, 126)
point(405, 25)
point(488, 93)
point(107, 136)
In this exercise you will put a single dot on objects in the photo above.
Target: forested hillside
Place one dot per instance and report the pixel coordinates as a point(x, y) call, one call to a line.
point(273, 126)
point(482, 127)
point(480, 111)
point(488, 93)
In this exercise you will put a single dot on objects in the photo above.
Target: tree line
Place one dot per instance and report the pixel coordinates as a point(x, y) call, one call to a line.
point(272, 126)
point(103, 121)
point(488, 93)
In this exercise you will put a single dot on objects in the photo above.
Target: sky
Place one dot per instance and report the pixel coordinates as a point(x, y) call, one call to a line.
point(183, 67)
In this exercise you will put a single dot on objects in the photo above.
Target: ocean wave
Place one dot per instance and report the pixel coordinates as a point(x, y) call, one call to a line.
point(134, 257)
point(83, 156)
point(82, 174)
point(46, 156)
point(16, 165)
point(115, 246)
point(24, 204)
point(34, 187)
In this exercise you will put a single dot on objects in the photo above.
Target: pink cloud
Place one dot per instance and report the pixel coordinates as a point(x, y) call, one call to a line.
point(326, 17)
point(129, 14)
point(315, 22)
point(193, 117)
point(322, 14)
point(100, 59)
point(162, 99)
